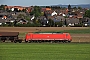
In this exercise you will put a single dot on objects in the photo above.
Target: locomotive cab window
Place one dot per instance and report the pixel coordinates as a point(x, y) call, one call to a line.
point(66, 34)
point(28, 34)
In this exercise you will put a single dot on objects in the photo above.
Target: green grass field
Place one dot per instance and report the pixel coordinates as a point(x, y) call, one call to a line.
point(77, 31)
point(44, 51)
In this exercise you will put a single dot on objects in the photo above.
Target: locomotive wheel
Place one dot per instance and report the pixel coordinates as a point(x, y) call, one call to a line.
point(26, 41)
point(39, 41)
point(69, 41)
point(63, 41)
point(29, 41)
point(11, 40)
point(52, 41)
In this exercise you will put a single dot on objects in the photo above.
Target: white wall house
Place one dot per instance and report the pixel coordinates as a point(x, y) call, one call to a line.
point(0, 23)
point(32, 17)
point(54, 13)
point(12, 9)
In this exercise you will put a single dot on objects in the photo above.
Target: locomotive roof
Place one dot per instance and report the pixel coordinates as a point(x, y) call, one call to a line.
point(48, 33)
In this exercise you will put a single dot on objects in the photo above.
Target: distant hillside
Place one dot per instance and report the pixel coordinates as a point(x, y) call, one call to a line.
point(81, 5)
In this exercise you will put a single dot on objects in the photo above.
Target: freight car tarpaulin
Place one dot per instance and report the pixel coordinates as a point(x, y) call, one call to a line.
point(9, 33)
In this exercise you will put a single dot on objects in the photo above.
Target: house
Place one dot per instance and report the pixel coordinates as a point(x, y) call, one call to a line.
point(54, 13)
point(1, 16)
point(72, 21)
point(29, 9)
point(8, 7)
point(1, 21)
point(22, 21)
point(44, 20)
point(14, 8)
point(4, 17)
point(33, 17)
point(46, 9)
point(60, 18)
point(86, 21)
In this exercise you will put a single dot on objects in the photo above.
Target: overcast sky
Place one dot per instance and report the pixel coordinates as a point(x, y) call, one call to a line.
point(43, 2)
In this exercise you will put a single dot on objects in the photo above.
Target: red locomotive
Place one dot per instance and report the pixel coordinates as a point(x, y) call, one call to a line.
point(48, 37)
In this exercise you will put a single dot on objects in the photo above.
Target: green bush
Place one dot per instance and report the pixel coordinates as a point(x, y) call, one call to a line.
point(28, 25)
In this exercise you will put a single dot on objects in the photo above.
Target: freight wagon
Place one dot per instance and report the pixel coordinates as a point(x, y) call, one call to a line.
point(10, 36)
point(48, 37)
